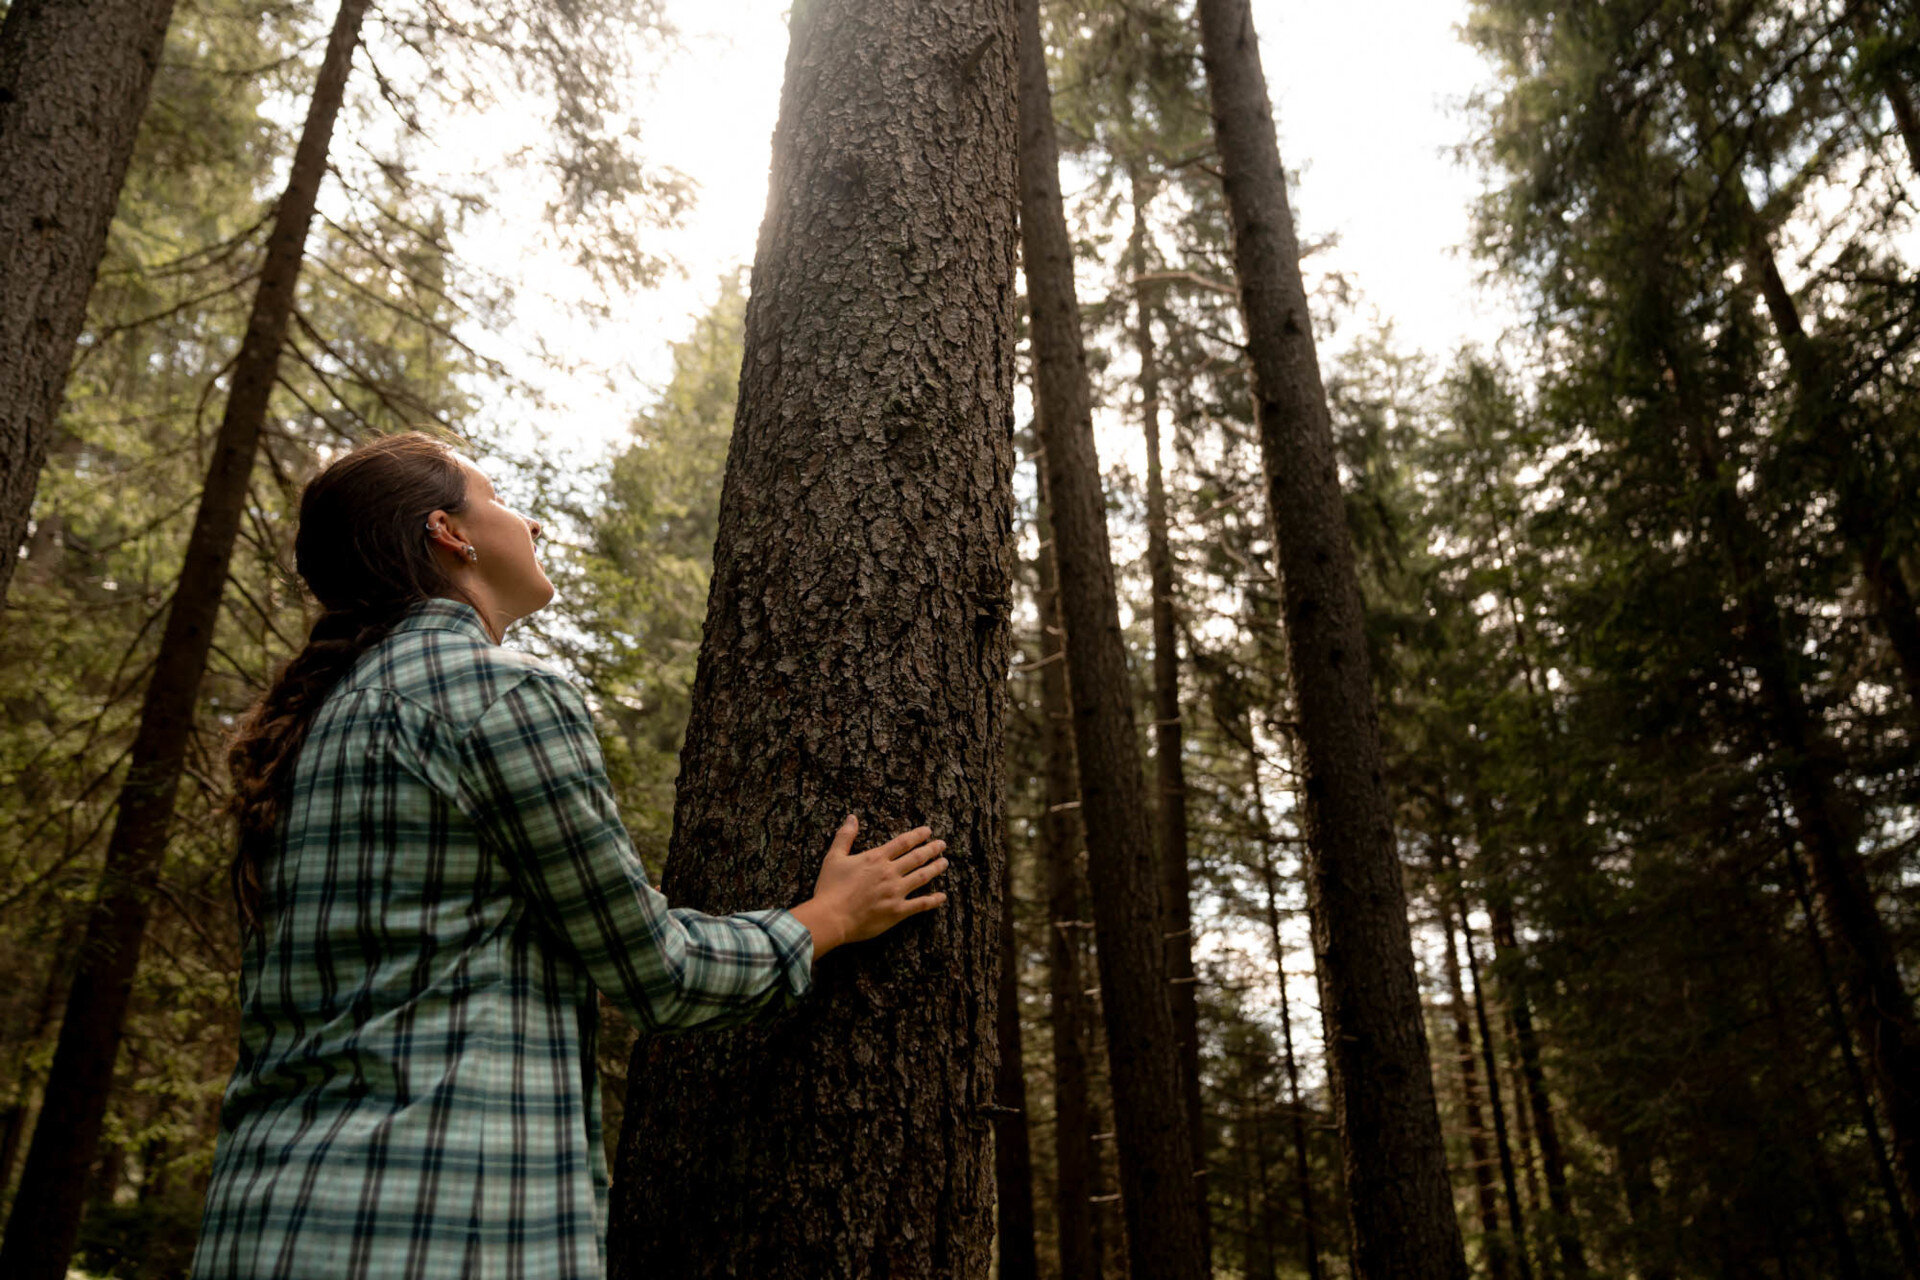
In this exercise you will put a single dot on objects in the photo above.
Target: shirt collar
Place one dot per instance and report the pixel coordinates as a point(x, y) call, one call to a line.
point(437, 613)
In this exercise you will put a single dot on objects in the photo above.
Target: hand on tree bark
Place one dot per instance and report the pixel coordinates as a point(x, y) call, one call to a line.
point(861, 895)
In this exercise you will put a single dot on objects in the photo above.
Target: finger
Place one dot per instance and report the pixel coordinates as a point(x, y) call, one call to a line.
point(920, 857)
point(914, 906)
point(904, 841)
point(914, 879)
point(843, 838)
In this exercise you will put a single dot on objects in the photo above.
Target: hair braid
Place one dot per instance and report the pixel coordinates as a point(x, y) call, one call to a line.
point(360, 551)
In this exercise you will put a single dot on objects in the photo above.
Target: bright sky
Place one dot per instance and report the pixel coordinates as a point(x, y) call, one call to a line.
point(1367, 95)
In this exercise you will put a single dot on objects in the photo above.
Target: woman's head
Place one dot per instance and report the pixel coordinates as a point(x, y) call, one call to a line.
point(394, 522)
point(404, 518)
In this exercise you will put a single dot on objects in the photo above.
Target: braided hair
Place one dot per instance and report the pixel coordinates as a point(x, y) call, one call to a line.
point(362, 551)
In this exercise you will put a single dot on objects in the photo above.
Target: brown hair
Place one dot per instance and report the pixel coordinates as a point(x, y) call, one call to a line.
point(363, 551)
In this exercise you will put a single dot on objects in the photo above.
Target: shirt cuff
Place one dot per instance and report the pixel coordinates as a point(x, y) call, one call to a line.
point(793, 944)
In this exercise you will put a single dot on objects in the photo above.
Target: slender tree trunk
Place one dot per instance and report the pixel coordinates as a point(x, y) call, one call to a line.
point(1486, 1197)
point(1877, 1001)
point(1495, 1103)
point(1400, 1201)
point(46, 1214)
point(1075, 1160)
point(1903, 1231)
point(1012, 1151)
point(1158, 1189)
point(1573, 1258)
point(1270, 883)
point(1170, 775)
point(1887, 588)
point(74, 81)
point(854, 659)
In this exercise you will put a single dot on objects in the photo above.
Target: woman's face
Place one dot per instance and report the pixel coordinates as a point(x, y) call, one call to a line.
point(505, 575)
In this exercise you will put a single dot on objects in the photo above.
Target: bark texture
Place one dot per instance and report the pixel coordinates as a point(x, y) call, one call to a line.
point(45, 1218)
point(1157, 1185)
point(1399, 1200)
point(854, 659)
point(74, 80)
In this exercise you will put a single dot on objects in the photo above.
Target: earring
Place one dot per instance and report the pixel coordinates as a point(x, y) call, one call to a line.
point(472, 554)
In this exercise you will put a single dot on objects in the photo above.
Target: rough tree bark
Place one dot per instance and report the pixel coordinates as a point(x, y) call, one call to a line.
point(854, 659)
point(1076, 1163)
point(74, 80)
point(45, 1218)
point(1170, 775)
point(1400, 1202)
point(1159, 1192)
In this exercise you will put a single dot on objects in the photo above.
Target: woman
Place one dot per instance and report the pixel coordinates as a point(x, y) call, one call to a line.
point(432, 880)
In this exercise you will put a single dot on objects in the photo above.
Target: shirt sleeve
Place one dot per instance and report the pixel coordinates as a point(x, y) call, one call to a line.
point(536, 785)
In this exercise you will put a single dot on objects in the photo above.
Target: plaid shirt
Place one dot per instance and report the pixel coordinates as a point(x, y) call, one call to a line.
point(416, 1093)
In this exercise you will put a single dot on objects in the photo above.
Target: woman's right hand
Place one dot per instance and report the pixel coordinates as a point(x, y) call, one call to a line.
point(862, 895)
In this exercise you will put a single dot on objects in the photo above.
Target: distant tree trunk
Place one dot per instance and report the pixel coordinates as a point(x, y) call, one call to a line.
point(1012, 1151)
point(46, 1214)
point(1862, 1092)
point(1877, 1001)
point(1495, 1102)
point(1887, 588)
point(1400, 1201)
point(1486, 1197)
point(1075, 1160)
point(1573, 1259)
point(1270, 883)
point(74, 80)
point(1158, 1189)
point(1170, 775)
point(854, 659)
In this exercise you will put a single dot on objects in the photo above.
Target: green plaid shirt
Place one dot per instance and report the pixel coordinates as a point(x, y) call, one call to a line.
point(416, 1093)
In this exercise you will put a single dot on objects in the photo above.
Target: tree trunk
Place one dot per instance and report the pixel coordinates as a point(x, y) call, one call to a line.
point(1495, 1103)
point(1170, 776)
point(74, 79)
point(1075, 1160)
point(46, 1214)
point(1836, 1010)
point(1486, 1198)
point(1012, 1151)
point(1270, 882)
point(1399, 1199)
point(1878, 1005)
point(1573, 1259)
point(854, 658)
point(1158, 1189)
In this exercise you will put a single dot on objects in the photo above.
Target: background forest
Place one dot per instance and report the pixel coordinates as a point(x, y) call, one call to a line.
point(1639, 583)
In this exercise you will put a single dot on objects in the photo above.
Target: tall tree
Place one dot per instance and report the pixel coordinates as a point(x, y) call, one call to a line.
point(1076, 1163)
point(46, 1214)
point(1400, 1202)
point(853, 658)
point(74, 80)
point(1159, 1191)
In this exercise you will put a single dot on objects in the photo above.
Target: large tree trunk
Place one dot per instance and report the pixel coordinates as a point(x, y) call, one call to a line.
point(1012, 1149)
point(46, 1214)
point(854, 658)
point(1170, 775)
point(1400, 1202)
point(74, 79)
point(1158, 1189)
point(1076, 1163)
